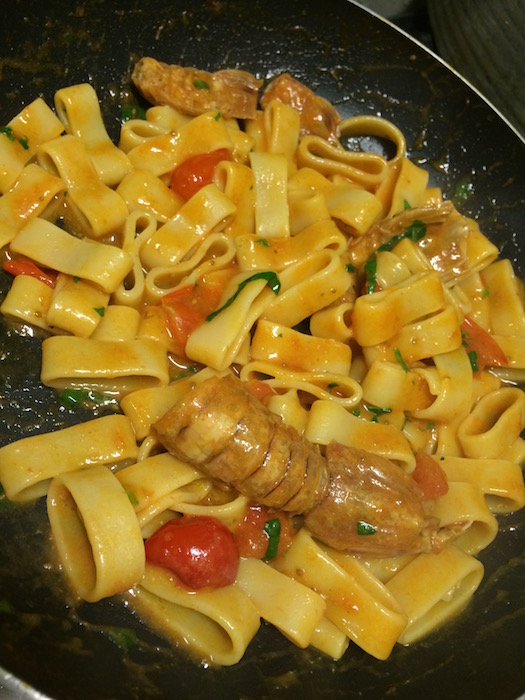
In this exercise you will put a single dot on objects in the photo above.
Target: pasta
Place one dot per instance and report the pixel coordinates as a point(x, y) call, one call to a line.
point(358, 305)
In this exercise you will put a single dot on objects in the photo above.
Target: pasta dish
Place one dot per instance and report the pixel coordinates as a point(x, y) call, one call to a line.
point(303, 364)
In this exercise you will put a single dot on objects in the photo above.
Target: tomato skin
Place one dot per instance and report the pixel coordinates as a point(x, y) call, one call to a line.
point(198, 549)
point(477, 339)
point(28, 267)
point(429, 476)
point(251, 538)
point(261, 390)
point(196, 172)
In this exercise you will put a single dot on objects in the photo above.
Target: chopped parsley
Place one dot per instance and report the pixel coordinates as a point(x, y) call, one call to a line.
point(273, 529)
point(473, 357)
point(100, 310)
point(73, 398)
point(364, 528)
point(264, 242)
point(399, 358)
point(128, 113)
point(371, 271)
point(200, 84)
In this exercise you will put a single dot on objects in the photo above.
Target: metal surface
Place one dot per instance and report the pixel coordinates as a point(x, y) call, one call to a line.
point(364, 66)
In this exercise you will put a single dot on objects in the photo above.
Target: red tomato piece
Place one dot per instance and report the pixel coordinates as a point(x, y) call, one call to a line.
point(478, 340)
point(429, 476)
point(187, 307)
point(251, 538)
point(196, 172)
point(261, 390)
point(199, 550)
point(28, 267)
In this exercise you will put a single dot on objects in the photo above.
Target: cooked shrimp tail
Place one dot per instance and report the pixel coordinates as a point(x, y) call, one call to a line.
point(351, 500)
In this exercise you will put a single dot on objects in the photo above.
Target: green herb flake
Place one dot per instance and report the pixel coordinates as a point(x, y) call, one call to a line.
point(264, 242)
point(473, 357)
point(273, 529)
point(100, 311)
point(332, 385)
point(218, 116)
point(399, 358)
point(371, 271)
point(200, 84)
point(364, 528)
point(76, 279)
point(356, 412)
point(485, 292)
point(271, 279)
point(23, 141)
point(430, 426)
point(406, 205)
point(128, 113)
point(132, 498)
point(192, 369)
point(463, 190)
point(349, 267)
point(415, 232)
point(7, 131)
point(377, 411)
point(74, 398)
point(123, 637)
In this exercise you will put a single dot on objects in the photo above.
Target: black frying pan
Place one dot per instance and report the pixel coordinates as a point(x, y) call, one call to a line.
point(364, 66)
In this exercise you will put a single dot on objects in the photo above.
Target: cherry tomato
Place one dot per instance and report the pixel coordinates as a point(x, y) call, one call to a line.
point(196, 172)
point(199, 550)
point(261, 390)
point(252, 539)
point(478, 340)
point(187, 307)
point(28, 267)
point(429, 476)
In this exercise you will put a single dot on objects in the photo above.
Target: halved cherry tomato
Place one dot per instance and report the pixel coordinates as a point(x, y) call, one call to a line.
point(429, 476)
point(187, 307)
point(28, 267)
point(196, 172)
point(251, 538)
point(477, 339)
point(198, 549)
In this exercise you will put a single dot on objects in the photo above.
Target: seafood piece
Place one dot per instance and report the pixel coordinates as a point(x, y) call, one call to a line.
point(360, 249)
point(222, 429)
point(233, 93)
point(318, 116)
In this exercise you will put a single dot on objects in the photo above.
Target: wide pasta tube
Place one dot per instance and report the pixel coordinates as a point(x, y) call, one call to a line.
point(106, 365)
point(464, 505)
point(307, 286)
point(78, 108)
point(357, 603)
point(47, 244)
point(495, 422)
point(154, 484)
point(18, 205)
point(293, 608)
point(330, 421)
point(499, 480)
point(433, 588)
point(96, 532)
point(215, 625)
point(28, 465)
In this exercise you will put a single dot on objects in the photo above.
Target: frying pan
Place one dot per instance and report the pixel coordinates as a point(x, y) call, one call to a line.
point(363, 65)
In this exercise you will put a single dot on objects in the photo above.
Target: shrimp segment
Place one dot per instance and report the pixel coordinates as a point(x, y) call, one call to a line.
point(233, 93)
point(318, 116)
point(223, 430)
